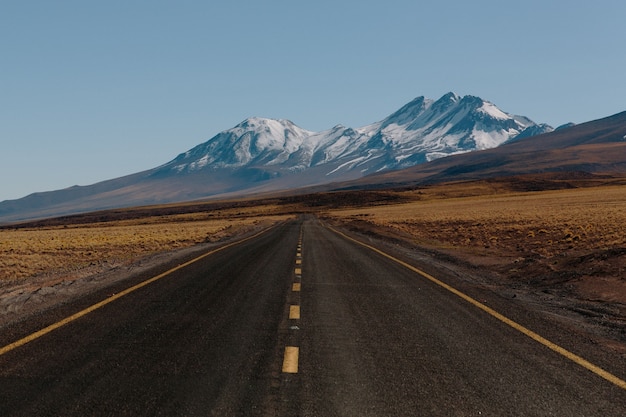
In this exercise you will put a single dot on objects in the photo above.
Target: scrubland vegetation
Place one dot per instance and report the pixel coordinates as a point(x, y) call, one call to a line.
point(73, 250)
point(546, 223)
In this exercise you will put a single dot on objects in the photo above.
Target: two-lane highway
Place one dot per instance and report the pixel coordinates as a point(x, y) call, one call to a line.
point(299, 321)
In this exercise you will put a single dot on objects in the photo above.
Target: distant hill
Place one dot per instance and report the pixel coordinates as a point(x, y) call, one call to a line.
point(262, 155)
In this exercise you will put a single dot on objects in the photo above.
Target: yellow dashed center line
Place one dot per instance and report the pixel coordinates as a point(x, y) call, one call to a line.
point(294, 312)
point(290, 360)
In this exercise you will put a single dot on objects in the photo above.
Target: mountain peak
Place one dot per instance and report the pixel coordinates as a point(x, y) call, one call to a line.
point(253, 123)
point(408, 112)
point(470, 101)
point(451, 97)
point(445, 102)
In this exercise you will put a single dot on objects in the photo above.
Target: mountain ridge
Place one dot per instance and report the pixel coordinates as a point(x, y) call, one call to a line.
point(261, 154)
point(422, 130)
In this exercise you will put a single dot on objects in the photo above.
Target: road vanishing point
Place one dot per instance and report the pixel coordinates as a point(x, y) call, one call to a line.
point(299, 320)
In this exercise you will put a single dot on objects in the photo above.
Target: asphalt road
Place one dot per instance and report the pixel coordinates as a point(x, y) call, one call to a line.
point(298, 321)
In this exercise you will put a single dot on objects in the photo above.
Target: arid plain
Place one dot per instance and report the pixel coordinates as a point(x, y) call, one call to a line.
point(558, 245)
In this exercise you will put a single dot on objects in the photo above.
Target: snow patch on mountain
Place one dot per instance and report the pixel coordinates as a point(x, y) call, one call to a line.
point(493, 111)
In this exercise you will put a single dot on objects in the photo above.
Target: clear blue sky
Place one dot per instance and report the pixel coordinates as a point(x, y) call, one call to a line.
point(92, 90)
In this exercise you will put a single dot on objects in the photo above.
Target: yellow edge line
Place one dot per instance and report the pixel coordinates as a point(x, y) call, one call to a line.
point(556, 348)
point(52, 327)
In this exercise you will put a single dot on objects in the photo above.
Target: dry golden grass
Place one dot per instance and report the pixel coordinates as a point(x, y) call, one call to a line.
point(73, 250)
point(546, 223)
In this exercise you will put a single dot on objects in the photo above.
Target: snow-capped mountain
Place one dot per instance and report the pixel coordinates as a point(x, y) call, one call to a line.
point(420, 131)
point(261, 155)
